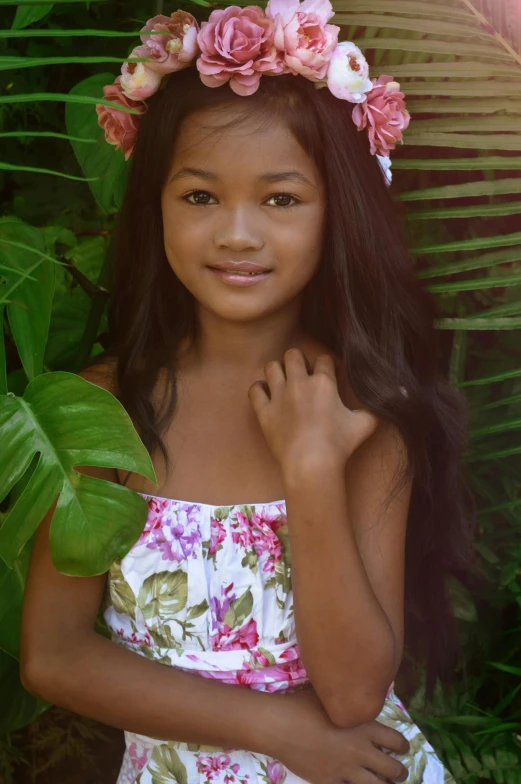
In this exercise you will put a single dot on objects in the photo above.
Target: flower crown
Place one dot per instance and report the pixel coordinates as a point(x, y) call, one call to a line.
point(238, 46)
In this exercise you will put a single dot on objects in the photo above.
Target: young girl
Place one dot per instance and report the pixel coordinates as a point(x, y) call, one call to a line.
point(277, 356)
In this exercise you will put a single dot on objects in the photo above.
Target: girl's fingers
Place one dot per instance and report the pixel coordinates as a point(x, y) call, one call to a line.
point(295, 364)
point(387, 766)
point(258, 394)
point(365, 777)
point(390, 739)
point(275, 375)
point(325, 363)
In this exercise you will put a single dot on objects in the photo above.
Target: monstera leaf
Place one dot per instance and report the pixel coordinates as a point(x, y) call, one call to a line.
point(69, 422)
point(100, 160)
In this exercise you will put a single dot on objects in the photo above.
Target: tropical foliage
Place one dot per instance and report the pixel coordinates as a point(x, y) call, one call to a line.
point(458, 176)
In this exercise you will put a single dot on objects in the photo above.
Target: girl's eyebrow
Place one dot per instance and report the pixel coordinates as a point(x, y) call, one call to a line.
point(294, 176)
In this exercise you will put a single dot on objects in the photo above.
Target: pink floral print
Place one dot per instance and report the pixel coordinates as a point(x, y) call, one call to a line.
point(228, 634)
point(213, 766)
point(208, 590)
point(173, 529)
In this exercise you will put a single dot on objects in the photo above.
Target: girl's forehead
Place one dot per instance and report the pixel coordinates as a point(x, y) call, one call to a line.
point(231, 139)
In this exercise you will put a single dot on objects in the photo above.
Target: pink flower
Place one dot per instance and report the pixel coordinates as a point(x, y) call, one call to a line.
point(217, 535)
point(242, 533)
point(276, 772)
point(241, 638)
point(120, 127)
point(384, 115)
point(348, 74)
point(303, 35)
point(237, 46)
point(176, 47)
point(138, 760)
point(211, 764)
point(138, 81)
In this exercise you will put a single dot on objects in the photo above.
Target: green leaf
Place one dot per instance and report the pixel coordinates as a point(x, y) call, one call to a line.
point(3, 366)
point(26, 15)
point(492, 259)
point(19, 708)
point(416, 24)
point(477, 324)
point(10, 62)
point(57, 33)
point(121, 594)
point(478, 283)
point(12, 583)
point(163, 594)
point(65, 420)
point(506, 668)
point(166, 767)
point(486, 380)
point(467, 141)
point(482, 163)
point(49, 134)
point(239, 609)
point(39, 170)
point(466, 190)
point(29, 309)
point(101, 160)
point(197, 610)
point(463, 606)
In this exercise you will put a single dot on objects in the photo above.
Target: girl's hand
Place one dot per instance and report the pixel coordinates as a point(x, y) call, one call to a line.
point(302, 416)
point(321, 753)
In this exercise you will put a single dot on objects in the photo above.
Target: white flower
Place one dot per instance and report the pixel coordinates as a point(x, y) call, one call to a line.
point(138, 81)
point(385, 165)
point(348, 73)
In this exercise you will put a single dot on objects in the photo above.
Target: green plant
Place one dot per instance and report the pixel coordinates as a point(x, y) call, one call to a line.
point(458, 176)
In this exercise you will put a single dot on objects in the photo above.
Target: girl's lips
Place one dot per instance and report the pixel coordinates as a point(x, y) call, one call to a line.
point(232, 279)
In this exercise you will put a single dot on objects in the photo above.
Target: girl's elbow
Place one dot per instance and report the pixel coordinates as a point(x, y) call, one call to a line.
point(352, 710)
point(38, 671)
point(32, 675)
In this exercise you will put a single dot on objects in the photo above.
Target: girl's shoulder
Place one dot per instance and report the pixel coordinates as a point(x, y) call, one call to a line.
point(103, 373)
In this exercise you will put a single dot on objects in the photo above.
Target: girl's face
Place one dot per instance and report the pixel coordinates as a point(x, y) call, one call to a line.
point(243, 193)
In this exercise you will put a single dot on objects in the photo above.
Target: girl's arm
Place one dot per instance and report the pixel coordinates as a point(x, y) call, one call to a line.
point(348, 573)
point(65, 662)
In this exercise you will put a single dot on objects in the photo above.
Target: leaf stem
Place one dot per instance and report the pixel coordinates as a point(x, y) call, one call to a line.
point(484, 21)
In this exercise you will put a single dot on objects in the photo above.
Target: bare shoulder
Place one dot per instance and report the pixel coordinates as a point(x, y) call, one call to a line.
point(103, 374)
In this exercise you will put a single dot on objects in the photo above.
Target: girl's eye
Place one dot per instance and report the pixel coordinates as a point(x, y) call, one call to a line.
point(199, 198)
point(282, 200)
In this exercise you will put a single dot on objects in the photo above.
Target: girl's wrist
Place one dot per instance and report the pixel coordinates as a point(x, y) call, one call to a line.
point(273, 723)
point(308, 471)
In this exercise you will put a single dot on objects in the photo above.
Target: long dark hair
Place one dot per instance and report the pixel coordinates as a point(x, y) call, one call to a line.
point(365, 303)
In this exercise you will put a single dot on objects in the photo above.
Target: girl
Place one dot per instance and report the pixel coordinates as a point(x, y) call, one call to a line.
point(272, 345)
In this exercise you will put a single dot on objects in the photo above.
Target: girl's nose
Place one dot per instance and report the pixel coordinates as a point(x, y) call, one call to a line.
point(237, 231)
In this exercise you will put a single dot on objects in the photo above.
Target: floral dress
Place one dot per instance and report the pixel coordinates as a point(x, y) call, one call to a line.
point(208, 589)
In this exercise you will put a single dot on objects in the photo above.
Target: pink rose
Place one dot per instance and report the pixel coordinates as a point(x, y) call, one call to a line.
point(303, 35)
point(384, 115)
point(138, 81)
point(348, 73)
point(177, 47)
point(237, 46)
point(120, 127)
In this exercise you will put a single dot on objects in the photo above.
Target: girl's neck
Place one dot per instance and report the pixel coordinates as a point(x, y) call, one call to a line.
point(241, 353)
